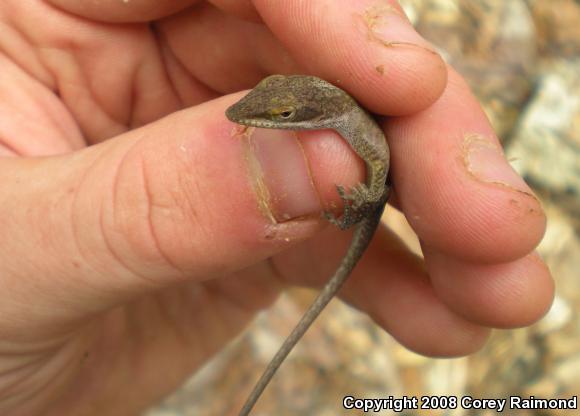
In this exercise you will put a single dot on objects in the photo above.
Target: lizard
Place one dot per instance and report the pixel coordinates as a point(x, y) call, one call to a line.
point(302, 102)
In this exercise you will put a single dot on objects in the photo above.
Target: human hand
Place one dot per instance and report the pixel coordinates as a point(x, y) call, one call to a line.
point(141, 247)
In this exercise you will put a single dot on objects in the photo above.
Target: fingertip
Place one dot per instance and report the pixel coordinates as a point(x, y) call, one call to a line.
point(423, 83)
point(455, 185)
point(371, 51)
point(392, 285)
point(504, 295)
point(438, 333)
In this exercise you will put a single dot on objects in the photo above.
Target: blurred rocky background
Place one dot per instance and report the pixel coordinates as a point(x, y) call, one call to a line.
point(522, 59)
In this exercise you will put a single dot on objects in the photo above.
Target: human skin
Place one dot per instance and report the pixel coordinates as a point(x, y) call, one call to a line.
point(135, 245)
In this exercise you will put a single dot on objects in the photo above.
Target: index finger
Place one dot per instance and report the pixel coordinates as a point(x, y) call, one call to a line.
point(368, 48)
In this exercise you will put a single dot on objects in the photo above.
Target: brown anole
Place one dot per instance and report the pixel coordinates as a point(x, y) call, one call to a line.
point(299, 102)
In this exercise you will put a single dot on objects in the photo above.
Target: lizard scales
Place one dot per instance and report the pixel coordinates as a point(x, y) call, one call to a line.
point(300, 102)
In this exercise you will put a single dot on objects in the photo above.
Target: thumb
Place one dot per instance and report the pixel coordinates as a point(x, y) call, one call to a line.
point(182, 198)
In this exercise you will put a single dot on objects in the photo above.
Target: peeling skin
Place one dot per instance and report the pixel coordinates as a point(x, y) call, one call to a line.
point(483, 142)
point(376, 15)
point(377, 12)
point(290, 231)
point(263, 195)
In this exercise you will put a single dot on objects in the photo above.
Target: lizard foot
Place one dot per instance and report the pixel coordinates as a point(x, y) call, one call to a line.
point(357, 205)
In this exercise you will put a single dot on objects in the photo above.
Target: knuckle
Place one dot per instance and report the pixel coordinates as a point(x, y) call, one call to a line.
point(155, 220)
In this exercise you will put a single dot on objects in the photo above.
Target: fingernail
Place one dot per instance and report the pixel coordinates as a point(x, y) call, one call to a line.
point(281, 176)
point(486, 162)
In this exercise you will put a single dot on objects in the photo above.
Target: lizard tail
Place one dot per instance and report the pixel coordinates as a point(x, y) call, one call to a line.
point(362, 236)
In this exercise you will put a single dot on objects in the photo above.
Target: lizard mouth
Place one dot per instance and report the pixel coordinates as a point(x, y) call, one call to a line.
point(265, 124)
point(233, 114)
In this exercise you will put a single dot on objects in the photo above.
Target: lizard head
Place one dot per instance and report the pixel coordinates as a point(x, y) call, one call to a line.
point(296, 102)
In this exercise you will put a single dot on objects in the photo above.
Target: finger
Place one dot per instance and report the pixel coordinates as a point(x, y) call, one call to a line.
point(504, 295)
point(240, 8)
point(367, 47)
point(389, 284)
point(29, 110)
point(80, 79)
point(371, 51)
point(122, 11)
point(243, 54)
point(182, 198)
point(455, 186)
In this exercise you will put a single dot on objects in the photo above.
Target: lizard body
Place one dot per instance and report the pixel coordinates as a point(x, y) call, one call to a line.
point(300, 102)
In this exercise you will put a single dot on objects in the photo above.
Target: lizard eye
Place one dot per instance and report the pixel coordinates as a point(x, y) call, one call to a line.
point(285, 114)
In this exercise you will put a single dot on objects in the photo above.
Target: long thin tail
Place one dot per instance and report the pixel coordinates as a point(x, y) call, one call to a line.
point(362, 236)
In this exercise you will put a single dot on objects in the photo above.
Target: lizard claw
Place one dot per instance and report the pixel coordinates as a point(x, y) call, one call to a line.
point(330, 217)
point(357, 205)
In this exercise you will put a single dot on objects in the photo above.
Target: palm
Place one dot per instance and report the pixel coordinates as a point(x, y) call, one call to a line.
point(103, 80)
point(113, 77)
